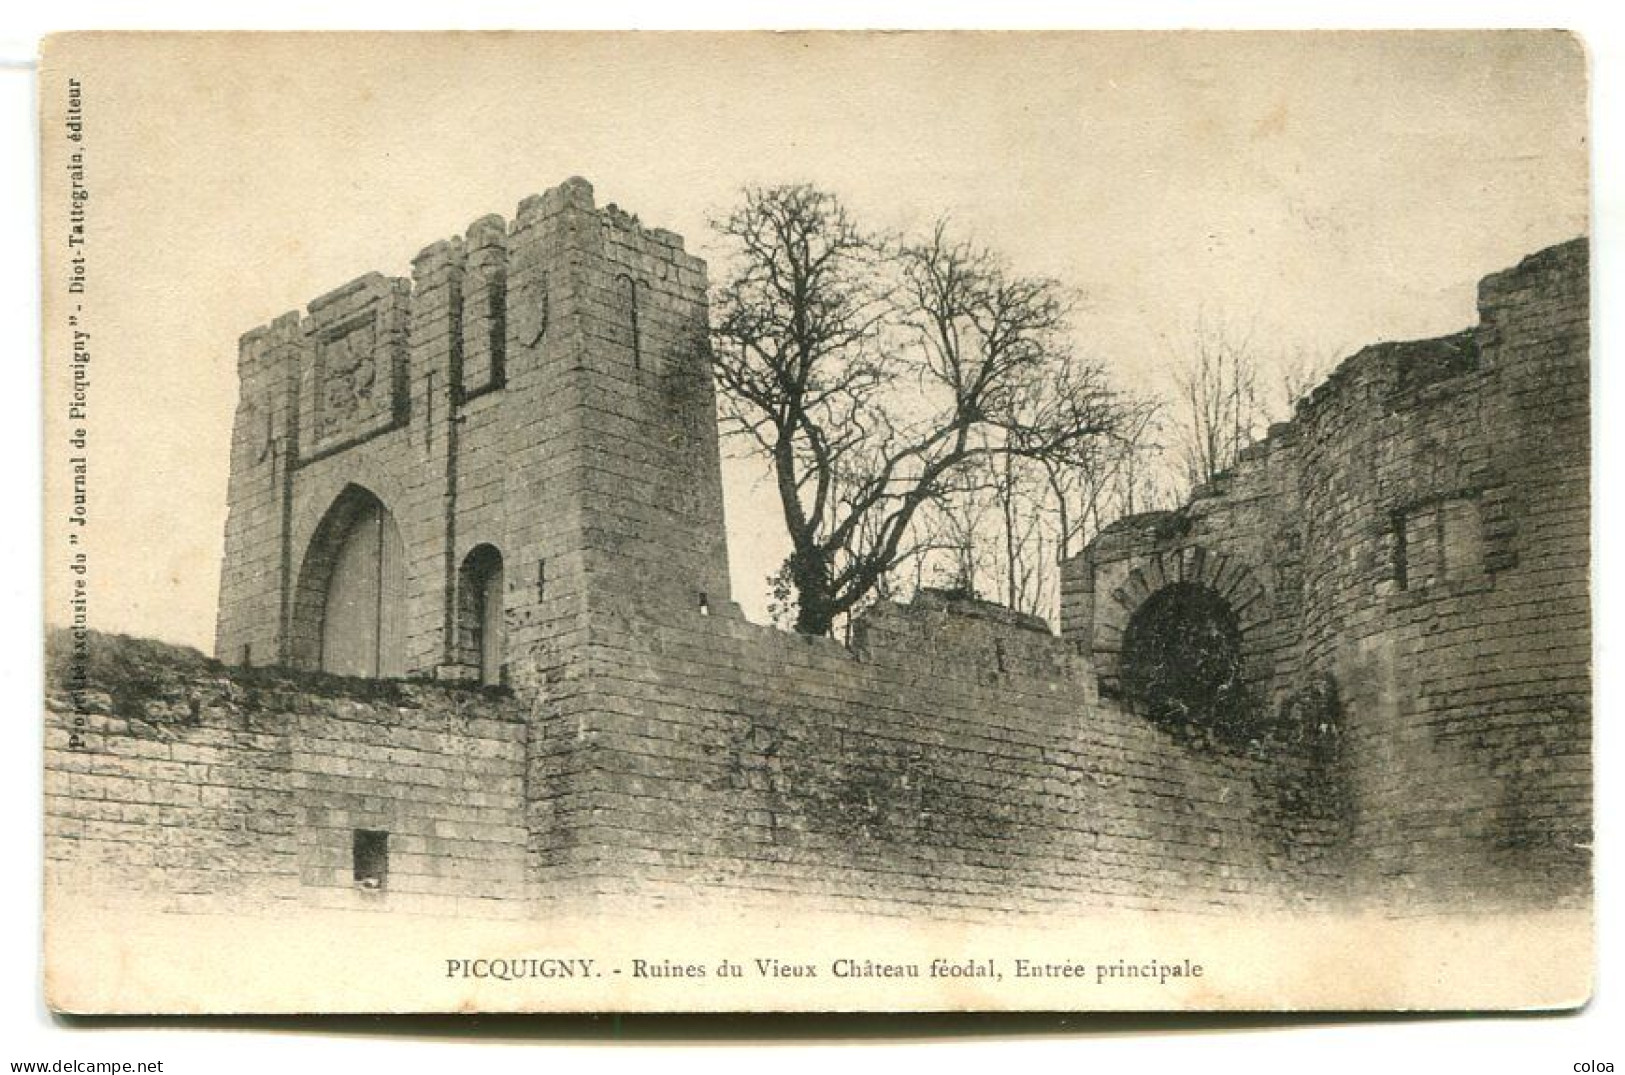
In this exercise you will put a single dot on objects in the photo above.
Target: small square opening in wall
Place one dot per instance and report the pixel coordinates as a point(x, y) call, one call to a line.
point(1439, 541)
point(371, 854)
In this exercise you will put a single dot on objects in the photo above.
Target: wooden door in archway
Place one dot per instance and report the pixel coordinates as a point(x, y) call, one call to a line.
point(363, 612)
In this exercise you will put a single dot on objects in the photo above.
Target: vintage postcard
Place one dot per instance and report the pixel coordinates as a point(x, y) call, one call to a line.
point(806, 522)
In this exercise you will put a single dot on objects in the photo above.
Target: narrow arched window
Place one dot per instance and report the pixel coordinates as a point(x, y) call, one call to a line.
point(480, 628)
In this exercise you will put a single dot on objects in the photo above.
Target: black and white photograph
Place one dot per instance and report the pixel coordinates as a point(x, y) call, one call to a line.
point(807, 522)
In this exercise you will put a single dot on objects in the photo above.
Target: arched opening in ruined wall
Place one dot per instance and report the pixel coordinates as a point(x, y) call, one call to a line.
point(349, 609)
point(479, 613)
point(1182, 661)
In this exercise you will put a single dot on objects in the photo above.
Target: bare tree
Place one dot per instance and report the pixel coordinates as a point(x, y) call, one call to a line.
point(1299, 374)
point(872, 372)
point(1217, 407)
point(1116, 478)
point(1137, 481)
point(959, 520)
point(1228, 391)
point(1007, 533)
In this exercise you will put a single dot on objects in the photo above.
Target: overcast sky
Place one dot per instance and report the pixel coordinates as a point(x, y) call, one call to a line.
point(1327, 190)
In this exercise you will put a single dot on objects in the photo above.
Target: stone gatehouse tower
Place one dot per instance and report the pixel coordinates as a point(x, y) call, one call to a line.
point(432, 475)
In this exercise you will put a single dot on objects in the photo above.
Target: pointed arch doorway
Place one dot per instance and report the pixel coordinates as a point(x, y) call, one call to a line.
point(350, 612)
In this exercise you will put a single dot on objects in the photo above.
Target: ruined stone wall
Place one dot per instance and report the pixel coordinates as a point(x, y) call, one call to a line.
point(171, 779)
point(540, 388)
point(1469, 730)
point(954, 759)
point(1410, 555)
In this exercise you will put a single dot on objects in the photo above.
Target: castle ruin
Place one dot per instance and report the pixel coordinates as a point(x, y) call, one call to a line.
point(476, 650)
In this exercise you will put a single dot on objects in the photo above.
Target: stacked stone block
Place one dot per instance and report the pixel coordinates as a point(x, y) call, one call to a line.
point(952, 759)
point(195, 787)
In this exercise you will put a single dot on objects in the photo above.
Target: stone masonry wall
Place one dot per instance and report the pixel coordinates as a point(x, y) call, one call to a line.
point(1469, 735)
point(173, 779)
point(540, 387)
point(1418, 540)
point(953, 759)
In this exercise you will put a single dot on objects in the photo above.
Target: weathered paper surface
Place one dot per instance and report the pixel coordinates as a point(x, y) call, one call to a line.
point(951, 810)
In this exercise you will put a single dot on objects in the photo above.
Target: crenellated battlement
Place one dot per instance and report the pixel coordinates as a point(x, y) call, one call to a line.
point(654, 258)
